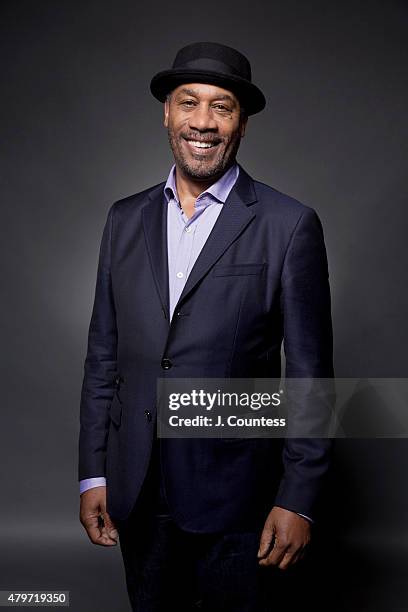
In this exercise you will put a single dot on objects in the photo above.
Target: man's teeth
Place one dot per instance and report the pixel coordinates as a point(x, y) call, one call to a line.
point(203, 145)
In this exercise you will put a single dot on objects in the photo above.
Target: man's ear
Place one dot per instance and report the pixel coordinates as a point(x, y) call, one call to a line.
point(166, 113)
point(244, 121)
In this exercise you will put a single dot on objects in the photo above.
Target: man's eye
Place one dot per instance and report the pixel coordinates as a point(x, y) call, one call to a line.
point(221, 107)
point(188, 102)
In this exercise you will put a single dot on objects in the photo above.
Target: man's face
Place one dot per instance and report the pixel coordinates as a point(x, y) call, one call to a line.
point(205, 126)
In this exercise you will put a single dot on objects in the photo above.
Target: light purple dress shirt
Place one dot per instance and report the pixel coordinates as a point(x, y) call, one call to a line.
point(185, 239)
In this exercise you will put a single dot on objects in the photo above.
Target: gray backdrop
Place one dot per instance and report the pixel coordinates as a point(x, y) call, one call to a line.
point(80, 129)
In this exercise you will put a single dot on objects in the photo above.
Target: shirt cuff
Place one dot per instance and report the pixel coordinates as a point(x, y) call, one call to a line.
point(306, 517)
point(90, 483)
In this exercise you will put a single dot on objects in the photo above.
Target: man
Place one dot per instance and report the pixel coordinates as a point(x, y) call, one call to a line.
point(203, 275)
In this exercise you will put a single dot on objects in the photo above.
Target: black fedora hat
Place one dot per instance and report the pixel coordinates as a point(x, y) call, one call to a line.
point(210, 62)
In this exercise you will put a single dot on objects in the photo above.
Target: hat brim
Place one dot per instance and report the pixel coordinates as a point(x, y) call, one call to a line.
point(249, 95)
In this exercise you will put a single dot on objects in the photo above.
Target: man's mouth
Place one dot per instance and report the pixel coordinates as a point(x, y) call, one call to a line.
point(201, 145)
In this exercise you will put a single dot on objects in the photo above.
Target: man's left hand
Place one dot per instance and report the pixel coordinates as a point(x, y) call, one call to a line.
point(284, 538)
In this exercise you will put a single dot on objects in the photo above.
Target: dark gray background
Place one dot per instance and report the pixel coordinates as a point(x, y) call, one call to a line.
point(80, 130)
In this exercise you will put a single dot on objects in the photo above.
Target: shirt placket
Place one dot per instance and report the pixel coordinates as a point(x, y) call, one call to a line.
point(184, 251)
point(187, 231)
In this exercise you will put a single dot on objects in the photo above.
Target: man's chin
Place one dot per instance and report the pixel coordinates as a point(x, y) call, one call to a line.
point(203, 175)
point(202, 171)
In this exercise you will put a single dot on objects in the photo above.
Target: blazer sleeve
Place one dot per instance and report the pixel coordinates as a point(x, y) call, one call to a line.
point(308, 346)
point(100, 367)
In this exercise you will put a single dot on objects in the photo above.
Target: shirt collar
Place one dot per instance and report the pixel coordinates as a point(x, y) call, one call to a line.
point(219, 190)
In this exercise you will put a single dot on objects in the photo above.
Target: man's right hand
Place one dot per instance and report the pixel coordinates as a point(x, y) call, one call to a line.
point(95, 519)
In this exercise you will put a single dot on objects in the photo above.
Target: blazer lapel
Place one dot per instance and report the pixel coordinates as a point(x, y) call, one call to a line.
point(155, 228)
point(232, 220)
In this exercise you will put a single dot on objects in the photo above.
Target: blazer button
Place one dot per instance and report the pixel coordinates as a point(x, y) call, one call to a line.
point(148, 415)
point(166, 364)
point(118, 379)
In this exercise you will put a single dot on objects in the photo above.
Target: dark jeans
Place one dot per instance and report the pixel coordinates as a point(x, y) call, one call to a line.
point(168, 568)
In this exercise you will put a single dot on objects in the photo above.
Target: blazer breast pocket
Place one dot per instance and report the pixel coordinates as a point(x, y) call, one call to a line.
point(115, 411)
point(238, 269)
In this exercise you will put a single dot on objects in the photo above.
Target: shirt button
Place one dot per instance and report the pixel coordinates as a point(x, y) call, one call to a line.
point(148, 415)
point(179, 275)
point(188, 228)
point(166, 364)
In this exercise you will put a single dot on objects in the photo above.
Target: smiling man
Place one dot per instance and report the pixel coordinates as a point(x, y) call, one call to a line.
point(203, 275)
point(205, 126)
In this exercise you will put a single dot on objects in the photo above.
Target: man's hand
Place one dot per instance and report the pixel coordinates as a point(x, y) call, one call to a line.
point(95, 519)
point(284, 538)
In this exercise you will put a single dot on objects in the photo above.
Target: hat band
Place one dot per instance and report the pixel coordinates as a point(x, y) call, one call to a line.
point(207, 63)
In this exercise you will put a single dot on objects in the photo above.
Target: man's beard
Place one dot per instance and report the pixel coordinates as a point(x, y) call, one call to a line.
point(199, 168)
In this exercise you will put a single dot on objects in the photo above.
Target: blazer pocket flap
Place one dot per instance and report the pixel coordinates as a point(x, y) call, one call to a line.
point(115, 412)
point(238, 269)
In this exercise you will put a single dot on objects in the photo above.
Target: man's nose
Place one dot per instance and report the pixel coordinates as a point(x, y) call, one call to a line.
point(202, 119)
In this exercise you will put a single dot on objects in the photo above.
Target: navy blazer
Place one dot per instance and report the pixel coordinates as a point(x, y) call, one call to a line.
point(261, 277)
